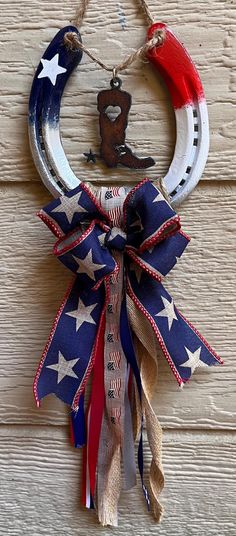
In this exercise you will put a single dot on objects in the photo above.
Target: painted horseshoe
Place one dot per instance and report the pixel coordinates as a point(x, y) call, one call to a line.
point(181, 77)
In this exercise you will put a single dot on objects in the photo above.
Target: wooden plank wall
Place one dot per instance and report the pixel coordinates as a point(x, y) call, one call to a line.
point(39, 471)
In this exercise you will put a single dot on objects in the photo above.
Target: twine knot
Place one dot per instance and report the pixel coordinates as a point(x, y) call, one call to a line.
point(71, 41)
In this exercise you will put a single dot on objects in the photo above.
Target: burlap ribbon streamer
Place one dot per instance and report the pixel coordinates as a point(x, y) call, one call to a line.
point(108, 477)
point(147, 350)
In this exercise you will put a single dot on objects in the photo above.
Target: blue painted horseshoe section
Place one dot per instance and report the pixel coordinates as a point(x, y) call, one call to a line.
point(56, 66)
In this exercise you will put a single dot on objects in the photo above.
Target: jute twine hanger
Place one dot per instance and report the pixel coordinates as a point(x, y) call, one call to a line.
point(72, 41)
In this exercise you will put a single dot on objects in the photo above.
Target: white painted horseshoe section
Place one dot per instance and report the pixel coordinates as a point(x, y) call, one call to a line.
point(191, 151)
point(199, 153)
point(41, 161)
point(57, 158)
point(183, 147)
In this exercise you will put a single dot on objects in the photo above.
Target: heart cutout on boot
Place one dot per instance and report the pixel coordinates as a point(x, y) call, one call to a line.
point(112, 112)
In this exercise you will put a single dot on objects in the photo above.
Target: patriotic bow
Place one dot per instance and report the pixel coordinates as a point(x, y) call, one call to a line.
point(152, 241)
point(146, 246)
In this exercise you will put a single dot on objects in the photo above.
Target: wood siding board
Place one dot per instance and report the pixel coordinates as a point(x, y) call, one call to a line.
point(40, 486)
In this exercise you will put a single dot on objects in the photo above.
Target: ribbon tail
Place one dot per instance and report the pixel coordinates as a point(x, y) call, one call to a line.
point(183, 346)
point(111, 439)
point(86, 494)
point(148, 368)
point(146, 350)
point(108, 476)
point(128, 348)
point(77, 425)
point(96, 406)
point(69, 354)
point(128, 441)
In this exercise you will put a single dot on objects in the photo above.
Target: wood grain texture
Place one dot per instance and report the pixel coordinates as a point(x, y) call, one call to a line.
point(33, 283)
point(39, 471)
point(40, 487)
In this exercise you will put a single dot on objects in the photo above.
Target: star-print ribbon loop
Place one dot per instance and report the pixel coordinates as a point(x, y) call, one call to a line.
point(152, 241)
point(85, 254)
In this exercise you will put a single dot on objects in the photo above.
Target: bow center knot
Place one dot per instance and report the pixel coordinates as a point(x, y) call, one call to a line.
point(116, 238)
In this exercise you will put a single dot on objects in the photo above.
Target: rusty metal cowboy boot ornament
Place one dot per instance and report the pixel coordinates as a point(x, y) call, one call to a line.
point(113, 106)
point(120, 243)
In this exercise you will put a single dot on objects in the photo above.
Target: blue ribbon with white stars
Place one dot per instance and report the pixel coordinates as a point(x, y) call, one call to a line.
point(152, 241)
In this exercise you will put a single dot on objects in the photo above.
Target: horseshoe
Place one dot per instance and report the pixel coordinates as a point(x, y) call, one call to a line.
point(174, 64)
